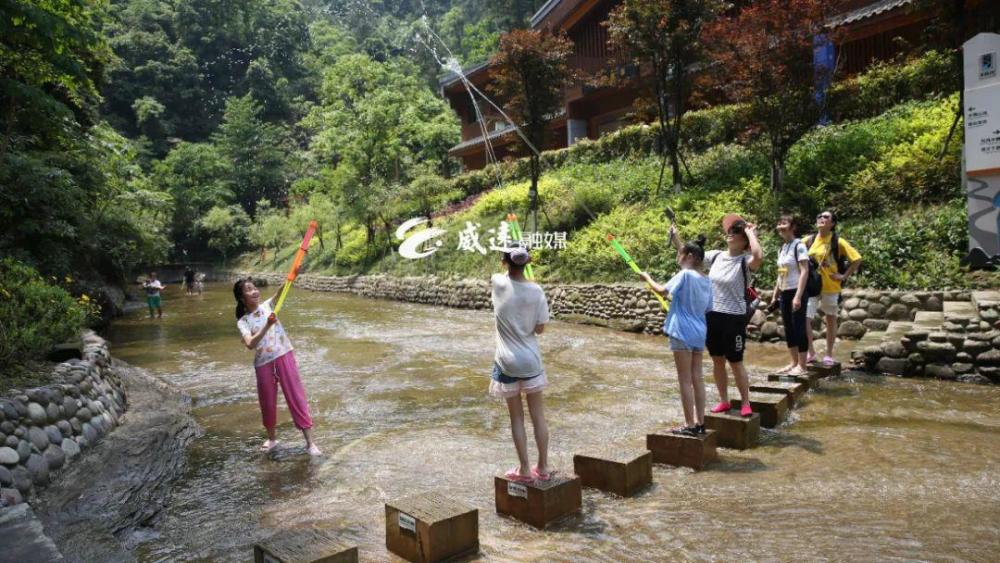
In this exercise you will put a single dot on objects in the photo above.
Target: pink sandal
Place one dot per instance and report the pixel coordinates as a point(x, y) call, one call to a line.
point(721, 407)
point(828, 361)
point(745, 410)
point(515, 475)
point(541, 476)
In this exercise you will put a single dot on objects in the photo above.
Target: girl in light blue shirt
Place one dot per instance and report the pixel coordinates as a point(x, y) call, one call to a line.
point(690, 293)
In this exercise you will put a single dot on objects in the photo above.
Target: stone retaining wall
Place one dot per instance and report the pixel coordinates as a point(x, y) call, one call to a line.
point(629, 307)
point(862, 310)
point(43, 429)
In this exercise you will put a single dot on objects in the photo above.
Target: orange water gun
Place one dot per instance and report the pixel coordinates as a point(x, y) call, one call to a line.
point(296, 264)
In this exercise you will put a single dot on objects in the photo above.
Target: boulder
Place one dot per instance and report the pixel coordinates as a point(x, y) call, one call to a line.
point(52, 412)
point(936, 350)
point(8, 456)
point(39, 438)
point(894, 349)
point(940, 371)
point(876, 310)
point(71, 448)
point(975, 347)
point(858, 314)
point(851, 303)
point(22, 479)
point(898, 312)
point(37, 413)
point(38, 467)
point(55, 436)
point(769, 330)
point(933, 303)
point(851, 330)
point(893, 366)
point(963, 368)
point(879, 325)
point(6, 477)
point(69, 407)
point(973, 378)
point(55, 456)
point(989, 358)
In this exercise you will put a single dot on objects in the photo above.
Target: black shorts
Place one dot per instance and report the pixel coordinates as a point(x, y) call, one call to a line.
point(727, 335)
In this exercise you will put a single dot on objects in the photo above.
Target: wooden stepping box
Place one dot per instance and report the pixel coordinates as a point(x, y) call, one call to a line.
point(621, 473)
point(810, 379)
point(683, 451)
point(538, 503)
point(304, 546)
point(793, 389)
point(772, 408)
point(824, 371)
point(735, 431)
point(431, 527)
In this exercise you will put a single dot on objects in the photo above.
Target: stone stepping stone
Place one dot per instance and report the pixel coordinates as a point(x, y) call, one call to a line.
point(928, 318)
point(964, 308)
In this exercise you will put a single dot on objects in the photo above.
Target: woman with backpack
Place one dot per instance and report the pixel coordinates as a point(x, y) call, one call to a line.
point(730, 270)
point(837, 261)
point(790, 291)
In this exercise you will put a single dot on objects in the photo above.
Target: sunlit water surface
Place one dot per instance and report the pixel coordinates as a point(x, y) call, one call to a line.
point(867, 468)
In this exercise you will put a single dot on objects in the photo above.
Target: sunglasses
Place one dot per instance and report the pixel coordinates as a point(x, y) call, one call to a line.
point(824, 216)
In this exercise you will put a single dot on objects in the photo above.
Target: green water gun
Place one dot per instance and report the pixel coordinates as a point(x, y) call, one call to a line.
point(516, 236)
point(631, 264)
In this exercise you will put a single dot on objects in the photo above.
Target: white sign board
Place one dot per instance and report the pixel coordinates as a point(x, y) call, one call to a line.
point(981, 58)
point(407, 522)
point(517, 490)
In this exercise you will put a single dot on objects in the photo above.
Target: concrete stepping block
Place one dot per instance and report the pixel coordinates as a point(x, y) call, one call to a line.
point(695, 452)
point(304, 546)
point(431, 527)
point(793, 389)
point(539, 503)
point(772, 408)
point(963, 308)
point(734, 431)
point(810, 379)
point(620, 472)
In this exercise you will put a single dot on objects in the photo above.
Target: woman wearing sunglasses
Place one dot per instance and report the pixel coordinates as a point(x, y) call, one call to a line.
point(837, 260)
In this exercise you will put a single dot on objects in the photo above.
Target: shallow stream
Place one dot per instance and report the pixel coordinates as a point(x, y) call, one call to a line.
point(866, 468)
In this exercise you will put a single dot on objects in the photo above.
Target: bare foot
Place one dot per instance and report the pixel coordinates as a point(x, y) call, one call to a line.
point(268, 445)
point(796, 371)
point(314, 451)
point(787, 368)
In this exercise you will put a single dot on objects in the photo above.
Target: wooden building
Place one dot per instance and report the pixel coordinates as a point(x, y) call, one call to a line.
point(871, 31)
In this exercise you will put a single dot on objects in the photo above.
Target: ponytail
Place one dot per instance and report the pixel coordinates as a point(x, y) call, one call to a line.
point(241, 309)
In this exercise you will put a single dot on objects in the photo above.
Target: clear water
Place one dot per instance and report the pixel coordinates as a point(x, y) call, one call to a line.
point(866, 469)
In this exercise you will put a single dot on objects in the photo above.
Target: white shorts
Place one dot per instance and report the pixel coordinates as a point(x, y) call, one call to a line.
point(828, 303)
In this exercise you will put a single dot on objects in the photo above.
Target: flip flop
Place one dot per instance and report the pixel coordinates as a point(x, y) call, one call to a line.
point(541, 476)
point(515, 475)
point(828, 361)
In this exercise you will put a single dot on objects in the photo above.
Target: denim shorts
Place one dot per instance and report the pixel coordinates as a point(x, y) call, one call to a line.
point(501, 377)
point(678, 345)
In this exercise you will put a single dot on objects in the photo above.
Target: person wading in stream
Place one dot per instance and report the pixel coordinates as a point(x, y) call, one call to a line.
point(274, 363)
point(521, 313)
point(837, 260)
point(690, 293)
point(727, 322)
point(790, 291)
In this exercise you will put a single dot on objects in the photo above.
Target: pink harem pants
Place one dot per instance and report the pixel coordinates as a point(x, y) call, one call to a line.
point(285, 371)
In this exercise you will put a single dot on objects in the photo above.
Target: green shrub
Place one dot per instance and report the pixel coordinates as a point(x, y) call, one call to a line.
point(921, 250)
point(887, 84)
point(36, 314)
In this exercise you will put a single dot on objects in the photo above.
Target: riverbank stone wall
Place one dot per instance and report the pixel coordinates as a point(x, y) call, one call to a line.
point(624, 306)
point(44, 429)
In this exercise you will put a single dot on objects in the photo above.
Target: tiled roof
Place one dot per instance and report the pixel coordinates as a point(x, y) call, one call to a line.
point(450, 77)
point(871, 10)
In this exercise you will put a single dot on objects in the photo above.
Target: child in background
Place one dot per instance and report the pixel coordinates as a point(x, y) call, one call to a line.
point(691, 297)
point(153, 288)
point(274, 363)
point(521, 313)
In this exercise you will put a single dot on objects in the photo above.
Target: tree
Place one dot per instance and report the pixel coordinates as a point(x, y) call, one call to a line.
point(665, 37)
point(197, 176)
point(375, 124)
point(764, 58)
point(271, 229)
point(531, 69)
point(227, 228)
point(256, 153)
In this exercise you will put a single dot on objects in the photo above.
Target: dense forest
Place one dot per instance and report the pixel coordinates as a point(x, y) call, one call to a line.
point(124, 123)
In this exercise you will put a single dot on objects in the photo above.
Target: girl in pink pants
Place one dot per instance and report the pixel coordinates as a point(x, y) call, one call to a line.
point(274, 362)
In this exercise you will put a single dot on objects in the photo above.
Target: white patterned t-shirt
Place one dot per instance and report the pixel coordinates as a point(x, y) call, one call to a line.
point(275, 342)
